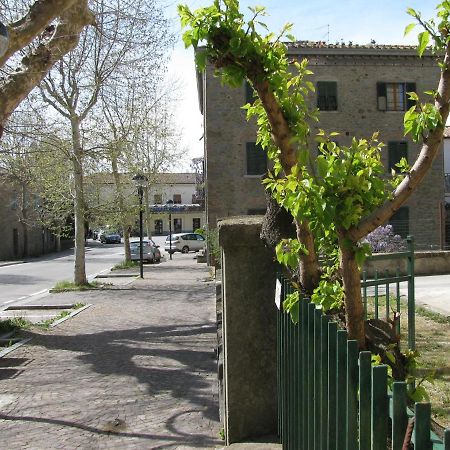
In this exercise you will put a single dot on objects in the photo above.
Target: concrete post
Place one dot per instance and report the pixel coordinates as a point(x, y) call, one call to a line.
point(249, 330)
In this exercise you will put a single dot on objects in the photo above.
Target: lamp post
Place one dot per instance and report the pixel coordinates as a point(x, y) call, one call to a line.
point(4, 39)
point(141, 182)
point(169, 203)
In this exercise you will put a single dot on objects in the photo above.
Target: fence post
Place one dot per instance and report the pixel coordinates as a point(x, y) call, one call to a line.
point(324, 383)
point(352, 395)
point(399, 414)
point(411, 299)
point(341, 389)
point(422, 426)
point(332, 345)
point(365, 399)
point(380, 408)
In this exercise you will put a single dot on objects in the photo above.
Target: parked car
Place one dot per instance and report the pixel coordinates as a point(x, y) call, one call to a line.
point(150, 251)
point(184, 242)
point(110, 238)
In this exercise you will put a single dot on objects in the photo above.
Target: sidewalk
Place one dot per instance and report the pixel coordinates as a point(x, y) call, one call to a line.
point(136, 370)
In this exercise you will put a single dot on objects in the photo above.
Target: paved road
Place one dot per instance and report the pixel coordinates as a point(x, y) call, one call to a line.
point(19, 281)
point(136, 370)
point(433, 292)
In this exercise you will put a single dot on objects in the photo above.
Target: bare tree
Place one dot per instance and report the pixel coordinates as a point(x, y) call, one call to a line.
point(129, 35)
point(38, 37)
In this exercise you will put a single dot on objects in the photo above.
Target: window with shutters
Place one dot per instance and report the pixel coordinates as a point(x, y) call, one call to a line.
point(327, 95)
point(177, 198)
point(256, 159)
point(400, 221)
point(394, 97)
point(157, 198)
point(396, 151)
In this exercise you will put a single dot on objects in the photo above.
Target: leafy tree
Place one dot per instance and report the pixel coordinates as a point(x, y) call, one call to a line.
point(305, 184)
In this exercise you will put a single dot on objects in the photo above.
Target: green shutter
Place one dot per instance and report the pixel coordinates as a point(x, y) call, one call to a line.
point(396, 151)
point(410, 87)
point(250, 94)
point(400, 221)
point(381, 92)
point(327, 95)
point(256, 159)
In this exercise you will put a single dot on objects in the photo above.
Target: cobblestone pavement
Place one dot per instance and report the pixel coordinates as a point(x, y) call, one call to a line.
point(134, 371)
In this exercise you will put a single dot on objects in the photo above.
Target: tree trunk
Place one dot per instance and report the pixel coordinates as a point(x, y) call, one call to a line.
point(77, 161)
point(354, 310)
point(122, 211)
point(23, 221)
point(309, 271)
point(58, 242)
point(126, 243)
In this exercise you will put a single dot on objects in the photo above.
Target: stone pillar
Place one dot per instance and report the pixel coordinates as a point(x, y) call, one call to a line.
point(248, 330)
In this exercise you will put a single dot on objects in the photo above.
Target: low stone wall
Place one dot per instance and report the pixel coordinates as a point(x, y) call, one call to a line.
point(425, 263)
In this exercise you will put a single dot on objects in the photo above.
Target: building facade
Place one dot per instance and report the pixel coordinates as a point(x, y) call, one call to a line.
point(359, 90)
point(173, 196)
point(22, 234)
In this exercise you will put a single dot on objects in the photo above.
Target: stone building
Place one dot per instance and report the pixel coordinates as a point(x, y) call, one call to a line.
point(359, 90)
point(22, 234)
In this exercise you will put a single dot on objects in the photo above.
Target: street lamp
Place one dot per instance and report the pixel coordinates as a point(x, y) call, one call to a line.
point(4, 39)
point(169, 203)
point(140, 181)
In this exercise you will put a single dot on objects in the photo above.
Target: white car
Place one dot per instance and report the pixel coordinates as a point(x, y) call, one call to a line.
point(184, 243)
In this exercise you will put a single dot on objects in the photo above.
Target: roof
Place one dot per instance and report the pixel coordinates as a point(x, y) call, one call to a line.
point(157, 178)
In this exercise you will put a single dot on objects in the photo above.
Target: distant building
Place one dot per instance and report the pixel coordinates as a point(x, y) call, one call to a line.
point(359, 90)
point(22, 233)
point(187, 209)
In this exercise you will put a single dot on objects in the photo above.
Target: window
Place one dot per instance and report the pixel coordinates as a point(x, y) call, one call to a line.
point(396, 151)
point(177, 198)
point(157, 198)
point(400, 221)
point(256, 159)
point(177, 225)
point(195, 224)
point(250, 94)
point(393, 96)
point(158, 226)
point(327, 95)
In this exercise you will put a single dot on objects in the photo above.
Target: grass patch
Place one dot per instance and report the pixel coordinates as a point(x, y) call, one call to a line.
point(46, 323)
point(126, 265)
point(433, 344)
point(65, 286)
point(13, 324)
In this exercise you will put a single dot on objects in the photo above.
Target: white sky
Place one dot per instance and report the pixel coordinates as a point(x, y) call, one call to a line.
point(358, 21)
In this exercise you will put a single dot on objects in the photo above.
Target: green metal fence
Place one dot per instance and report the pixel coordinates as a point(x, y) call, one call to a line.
point(331, 398)
point(389, 284)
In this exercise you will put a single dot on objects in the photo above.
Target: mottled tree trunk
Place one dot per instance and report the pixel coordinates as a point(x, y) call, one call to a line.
point(77, 162)
point(24, 220)
point(354, 310)
point(122, 211)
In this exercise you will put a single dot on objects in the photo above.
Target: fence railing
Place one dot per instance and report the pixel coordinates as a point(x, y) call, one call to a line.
point(331, 398)
point(382, 283)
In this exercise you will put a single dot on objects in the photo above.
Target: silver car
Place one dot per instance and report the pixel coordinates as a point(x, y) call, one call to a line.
point(184, 243)
point(150, 251)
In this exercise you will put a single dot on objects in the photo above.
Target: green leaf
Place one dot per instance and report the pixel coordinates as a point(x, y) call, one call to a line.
point(408, 28)
point(424, 39)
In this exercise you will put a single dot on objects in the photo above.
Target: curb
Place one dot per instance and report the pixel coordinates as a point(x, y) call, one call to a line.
point(14, 347)
point(11, 263)
point(69, 316)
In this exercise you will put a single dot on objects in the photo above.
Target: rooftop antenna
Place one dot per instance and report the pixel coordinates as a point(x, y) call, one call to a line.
point(328, 33)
